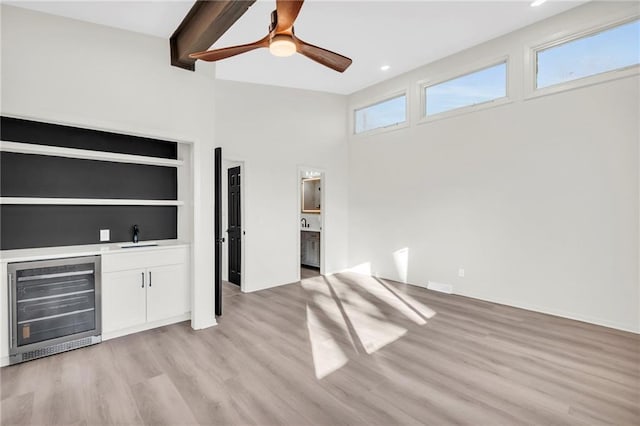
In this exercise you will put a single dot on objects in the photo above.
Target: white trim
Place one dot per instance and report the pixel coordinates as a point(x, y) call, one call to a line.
point(103, 126)
point(465, 110)
point(555, 312)
point(230, 163)
point(477, 66)
point(56, 151)
point(440, 287)
point(530, 77)
point(387, 97)
point(529, 307)
point(199, 326)
point(323, 215)
point(88, 201)
point(146, 326)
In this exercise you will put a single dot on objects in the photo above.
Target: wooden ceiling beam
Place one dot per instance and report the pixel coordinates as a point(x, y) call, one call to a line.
point(205, 23)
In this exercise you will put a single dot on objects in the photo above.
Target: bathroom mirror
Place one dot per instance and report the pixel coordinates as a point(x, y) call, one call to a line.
point(311, 195)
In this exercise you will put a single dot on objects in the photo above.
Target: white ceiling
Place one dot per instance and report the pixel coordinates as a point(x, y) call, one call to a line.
point(401, 34)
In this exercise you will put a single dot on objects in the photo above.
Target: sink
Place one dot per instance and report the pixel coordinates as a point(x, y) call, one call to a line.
point(136, 245)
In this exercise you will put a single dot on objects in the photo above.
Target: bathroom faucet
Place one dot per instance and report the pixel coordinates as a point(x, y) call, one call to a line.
point(304, 223)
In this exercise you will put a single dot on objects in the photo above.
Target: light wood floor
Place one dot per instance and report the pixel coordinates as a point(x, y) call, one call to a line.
point(341, 350)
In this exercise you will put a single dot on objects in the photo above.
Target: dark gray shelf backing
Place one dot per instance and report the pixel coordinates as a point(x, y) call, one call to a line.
point(27, 131)
point(30, 226)
point(30, 175)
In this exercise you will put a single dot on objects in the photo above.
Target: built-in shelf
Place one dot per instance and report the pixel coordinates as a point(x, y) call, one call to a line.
point(56, 151)
point(89, 201)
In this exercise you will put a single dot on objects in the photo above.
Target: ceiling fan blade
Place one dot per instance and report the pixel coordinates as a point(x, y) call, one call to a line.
point(227, 52)
point(325, 57)
point(287, 13)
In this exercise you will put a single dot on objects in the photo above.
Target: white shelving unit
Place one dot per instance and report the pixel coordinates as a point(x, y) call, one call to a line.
point(55, 151)
point(89, 201)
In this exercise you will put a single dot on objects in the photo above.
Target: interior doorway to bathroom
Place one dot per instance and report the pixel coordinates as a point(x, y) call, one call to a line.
point(311, 212)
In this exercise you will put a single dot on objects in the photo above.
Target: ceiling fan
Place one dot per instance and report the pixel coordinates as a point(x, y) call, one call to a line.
point(281, 41)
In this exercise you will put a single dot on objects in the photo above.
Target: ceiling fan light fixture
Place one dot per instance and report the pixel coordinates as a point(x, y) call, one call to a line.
point(282, 46)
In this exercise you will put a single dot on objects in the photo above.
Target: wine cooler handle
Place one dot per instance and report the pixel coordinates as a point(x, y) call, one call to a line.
point(10, 311)
point(142, 273)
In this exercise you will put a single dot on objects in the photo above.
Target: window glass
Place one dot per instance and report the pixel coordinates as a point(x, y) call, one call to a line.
point(471, 89)
point(608, 50)
point(383, 114)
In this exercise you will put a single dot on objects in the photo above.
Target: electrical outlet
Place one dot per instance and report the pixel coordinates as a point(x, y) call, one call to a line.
point(461, 272)
point(105, 235)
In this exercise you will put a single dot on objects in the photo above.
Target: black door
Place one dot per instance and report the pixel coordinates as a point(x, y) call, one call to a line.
point(235, 226)
point(218, 229)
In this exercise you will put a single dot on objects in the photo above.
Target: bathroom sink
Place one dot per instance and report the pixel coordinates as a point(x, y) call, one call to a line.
point(135, 245)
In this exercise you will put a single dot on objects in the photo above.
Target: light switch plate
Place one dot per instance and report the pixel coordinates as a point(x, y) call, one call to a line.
point(105, 235)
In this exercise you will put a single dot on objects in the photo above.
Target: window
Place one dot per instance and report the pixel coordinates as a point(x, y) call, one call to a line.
point(475, 88)
point(608, 50)
point(389, 112)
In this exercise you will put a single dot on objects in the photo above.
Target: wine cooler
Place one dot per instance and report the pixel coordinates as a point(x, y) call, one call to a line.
point(54, 306)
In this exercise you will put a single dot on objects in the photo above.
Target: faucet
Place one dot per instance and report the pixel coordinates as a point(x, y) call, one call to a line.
point(304, 223)
point(136, 234)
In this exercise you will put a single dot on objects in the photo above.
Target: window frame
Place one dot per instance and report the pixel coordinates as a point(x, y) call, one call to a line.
point(531, 61)
point(423, 85)
point(387, 97)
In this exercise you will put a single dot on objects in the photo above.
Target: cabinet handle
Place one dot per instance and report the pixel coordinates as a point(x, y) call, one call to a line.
point(142, 273)
point(149, 278)
point(10, 311)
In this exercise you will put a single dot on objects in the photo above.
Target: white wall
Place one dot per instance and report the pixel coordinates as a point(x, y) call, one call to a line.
point(537, 199)
point(274, 130)
point(61, 70)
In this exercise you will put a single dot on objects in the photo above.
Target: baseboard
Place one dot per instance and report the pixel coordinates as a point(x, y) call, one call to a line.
point(440, 287)
point(145, 326)
point(531, 307)
point(206, 324)
point(556, 313)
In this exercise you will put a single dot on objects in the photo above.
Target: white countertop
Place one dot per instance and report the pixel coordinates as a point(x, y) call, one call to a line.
point(310, 229)
point(25, 255)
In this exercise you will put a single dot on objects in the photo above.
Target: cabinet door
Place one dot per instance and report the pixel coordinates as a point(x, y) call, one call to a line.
point(123, 299)
point(314, 248)
point(303, 248)
point(168, 292)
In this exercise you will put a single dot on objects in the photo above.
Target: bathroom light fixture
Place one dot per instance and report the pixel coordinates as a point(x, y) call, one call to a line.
point(384, 68)
point(537, 3)
point(282, 45)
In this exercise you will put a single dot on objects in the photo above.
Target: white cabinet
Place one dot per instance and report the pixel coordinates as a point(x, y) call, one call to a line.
point(143, 289)
point(310, 248)
point(166, 297)
point(124, 299)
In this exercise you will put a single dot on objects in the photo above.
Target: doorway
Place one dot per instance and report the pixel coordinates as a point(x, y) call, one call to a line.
point(234, 230)
point(311, 210)
point(233, 219)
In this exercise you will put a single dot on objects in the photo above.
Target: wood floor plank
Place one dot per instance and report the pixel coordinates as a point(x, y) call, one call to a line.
point(341, 350)
point(17, 410)
point(160, 403)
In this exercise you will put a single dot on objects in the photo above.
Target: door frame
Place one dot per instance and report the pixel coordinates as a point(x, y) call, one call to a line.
point(323, 213)
point(228, 163)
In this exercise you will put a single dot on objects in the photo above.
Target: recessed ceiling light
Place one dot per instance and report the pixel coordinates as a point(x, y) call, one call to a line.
point(537, 3)
point(384, 67)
